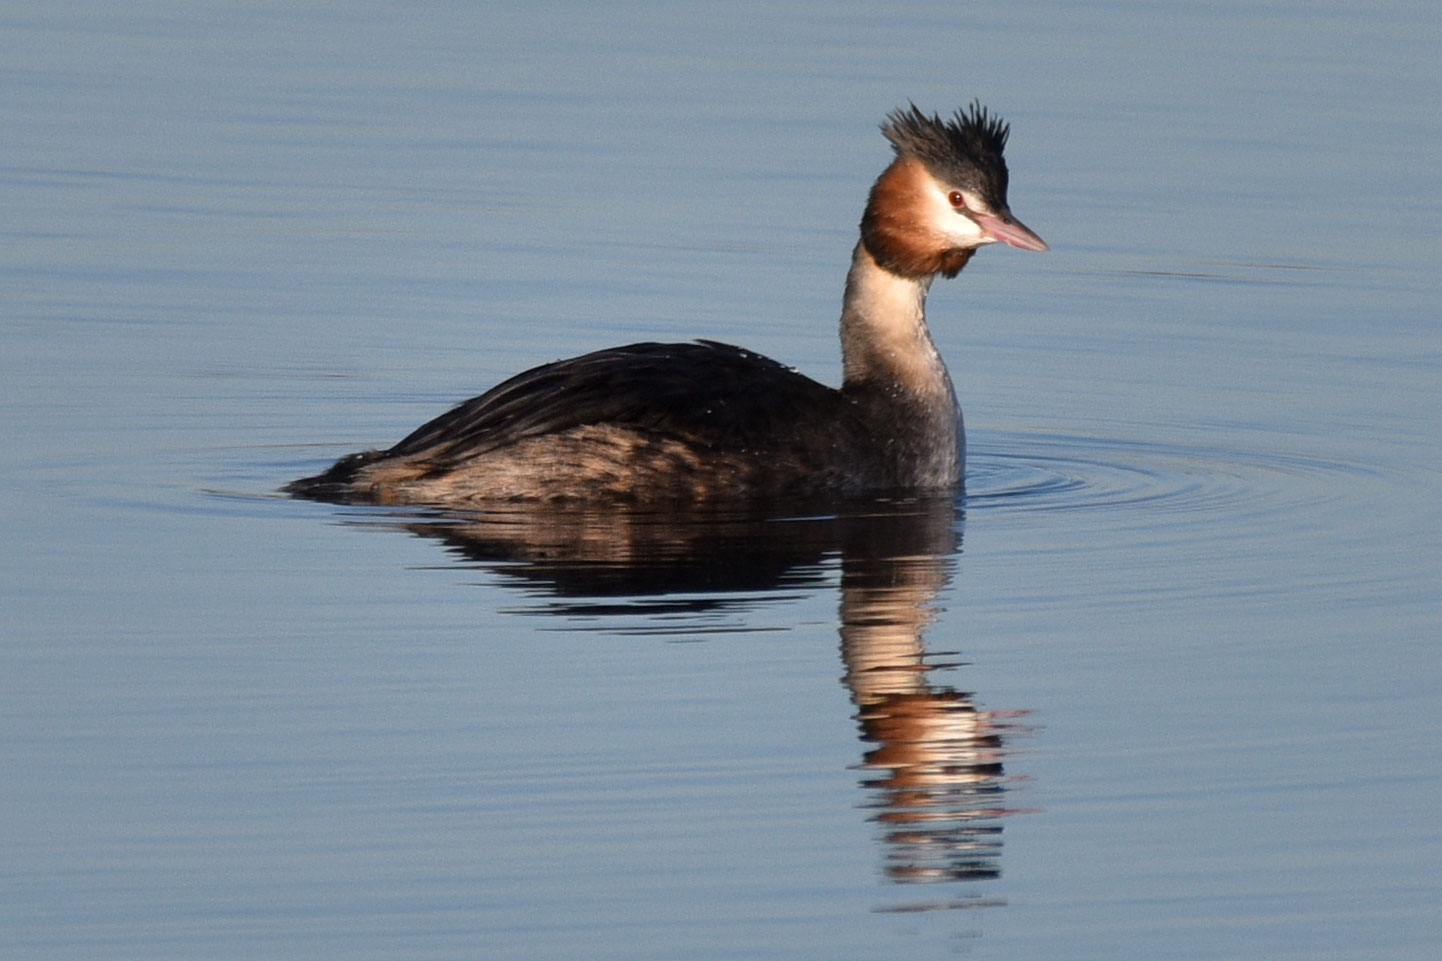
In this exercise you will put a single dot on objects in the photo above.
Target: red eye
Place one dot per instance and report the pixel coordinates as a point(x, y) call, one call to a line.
point(956, 199)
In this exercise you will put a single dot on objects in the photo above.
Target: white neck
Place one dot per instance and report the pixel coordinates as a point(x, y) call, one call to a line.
point(884, 340)
point(887, 353)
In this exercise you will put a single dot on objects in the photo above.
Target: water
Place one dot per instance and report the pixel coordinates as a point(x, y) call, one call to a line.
point(1162, 685)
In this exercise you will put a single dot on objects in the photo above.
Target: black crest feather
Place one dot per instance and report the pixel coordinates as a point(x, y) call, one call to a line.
point(965, 151)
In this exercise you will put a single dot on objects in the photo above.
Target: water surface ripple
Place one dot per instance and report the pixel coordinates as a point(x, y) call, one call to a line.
point(1056, 472)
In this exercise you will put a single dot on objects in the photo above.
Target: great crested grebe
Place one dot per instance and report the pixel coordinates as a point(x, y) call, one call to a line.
point(706, 421)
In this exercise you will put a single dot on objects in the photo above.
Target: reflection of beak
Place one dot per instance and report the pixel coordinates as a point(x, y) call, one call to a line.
point(1007, 229)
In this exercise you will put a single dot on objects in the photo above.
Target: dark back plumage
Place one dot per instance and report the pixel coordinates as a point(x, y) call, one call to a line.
point(788, 434)
point(706, 393)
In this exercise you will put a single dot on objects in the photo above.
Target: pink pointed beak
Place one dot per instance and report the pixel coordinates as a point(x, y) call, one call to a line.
point(1007, 229)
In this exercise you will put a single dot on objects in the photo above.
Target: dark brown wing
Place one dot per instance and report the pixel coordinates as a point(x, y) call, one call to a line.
point(707, 394)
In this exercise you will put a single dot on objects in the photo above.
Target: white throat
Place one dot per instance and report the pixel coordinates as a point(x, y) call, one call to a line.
point(884, 339)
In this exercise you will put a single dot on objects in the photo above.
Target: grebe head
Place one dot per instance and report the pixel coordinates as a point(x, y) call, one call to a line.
point(943, 196)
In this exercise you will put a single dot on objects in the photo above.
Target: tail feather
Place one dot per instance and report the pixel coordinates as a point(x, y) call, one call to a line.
point(335, 484)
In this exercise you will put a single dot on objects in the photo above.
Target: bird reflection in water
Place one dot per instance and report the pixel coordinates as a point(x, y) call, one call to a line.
point(933, 772)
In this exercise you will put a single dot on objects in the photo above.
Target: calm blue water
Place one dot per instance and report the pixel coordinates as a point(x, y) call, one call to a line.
point(1164, 684)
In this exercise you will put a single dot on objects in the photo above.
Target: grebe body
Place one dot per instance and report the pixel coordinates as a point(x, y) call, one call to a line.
point(705, 421)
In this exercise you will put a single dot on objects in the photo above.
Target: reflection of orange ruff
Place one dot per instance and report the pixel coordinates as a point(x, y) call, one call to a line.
point(933, 769)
